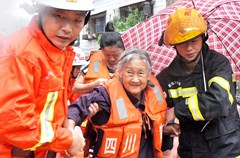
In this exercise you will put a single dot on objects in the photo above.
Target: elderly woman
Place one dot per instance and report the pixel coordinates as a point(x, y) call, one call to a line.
point(132, 111)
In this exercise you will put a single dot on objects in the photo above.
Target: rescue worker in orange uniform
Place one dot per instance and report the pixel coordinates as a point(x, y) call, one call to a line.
point(77, 64)
point(102, 64)
point(132, 113)
point(201, 92)
point(36, 62)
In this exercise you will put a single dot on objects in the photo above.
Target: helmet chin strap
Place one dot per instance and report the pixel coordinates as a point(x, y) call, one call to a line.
point(189, 66)
point(200, 55)
point(203, 72)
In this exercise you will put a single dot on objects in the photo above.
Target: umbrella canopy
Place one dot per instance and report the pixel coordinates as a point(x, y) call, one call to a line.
point(223, 17)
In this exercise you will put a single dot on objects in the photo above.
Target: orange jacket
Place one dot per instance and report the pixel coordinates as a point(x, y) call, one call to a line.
point(122, 133)
point(97, 68)
point(72, 97)
point(34, 78)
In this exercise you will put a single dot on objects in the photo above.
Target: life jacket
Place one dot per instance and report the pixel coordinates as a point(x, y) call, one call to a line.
point(122, 132)
point(97, 68)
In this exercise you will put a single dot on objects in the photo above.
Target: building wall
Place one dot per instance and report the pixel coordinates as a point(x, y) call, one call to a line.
point(111, 7)
point(107, 5)
point(159, 5)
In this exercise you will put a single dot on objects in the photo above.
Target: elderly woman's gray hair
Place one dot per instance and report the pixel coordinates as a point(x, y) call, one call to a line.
point(133, 53)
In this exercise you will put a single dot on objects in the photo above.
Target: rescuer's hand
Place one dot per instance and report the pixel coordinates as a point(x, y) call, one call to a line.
point(69, 124)
point(78, 142)
point(100, 81)
point(172, 129)
point(170, 116)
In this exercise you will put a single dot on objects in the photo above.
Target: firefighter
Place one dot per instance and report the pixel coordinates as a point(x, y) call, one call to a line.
point(200, 91)
point(36, 62)
point(133, 111)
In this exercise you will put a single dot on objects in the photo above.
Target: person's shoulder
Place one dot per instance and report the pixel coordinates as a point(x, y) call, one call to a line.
point(217, 56)
point(95, 54)
point(95, 51)
point(212, 54)
point(15, 43)
point(163, 74)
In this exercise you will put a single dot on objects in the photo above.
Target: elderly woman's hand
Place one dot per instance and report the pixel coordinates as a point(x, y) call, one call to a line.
point(93, 109)
point(78, 142)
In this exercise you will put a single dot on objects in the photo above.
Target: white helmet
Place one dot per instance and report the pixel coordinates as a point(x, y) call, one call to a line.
point(79, 57)
point(76, 5)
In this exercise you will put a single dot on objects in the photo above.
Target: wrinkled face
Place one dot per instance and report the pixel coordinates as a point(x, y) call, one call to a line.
point(112, 55)
point(134, 76)
point(61, 27)
point(189, 50)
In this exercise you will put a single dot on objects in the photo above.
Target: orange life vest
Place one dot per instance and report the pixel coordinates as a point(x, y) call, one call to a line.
point(122, 132)
point(97, 68)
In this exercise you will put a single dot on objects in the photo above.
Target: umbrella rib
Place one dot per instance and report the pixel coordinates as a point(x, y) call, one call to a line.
point(222, 19)
point(225, 48)
point(193, 4)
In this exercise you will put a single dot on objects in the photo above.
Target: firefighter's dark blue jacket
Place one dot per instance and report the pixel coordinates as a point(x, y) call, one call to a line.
point(209, 121)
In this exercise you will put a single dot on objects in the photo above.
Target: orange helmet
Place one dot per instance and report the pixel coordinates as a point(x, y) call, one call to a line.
point(183, 25)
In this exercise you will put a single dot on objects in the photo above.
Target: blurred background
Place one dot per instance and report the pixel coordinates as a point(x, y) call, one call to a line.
point(13, 16)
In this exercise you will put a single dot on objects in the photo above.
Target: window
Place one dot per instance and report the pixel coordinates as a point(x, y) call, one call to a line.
point(100, 24)
point(142, 6)
point(96, 24)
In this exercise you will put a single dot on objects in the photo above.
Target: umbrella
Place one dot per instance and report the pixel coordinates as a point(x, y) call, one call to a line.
point(223, 17)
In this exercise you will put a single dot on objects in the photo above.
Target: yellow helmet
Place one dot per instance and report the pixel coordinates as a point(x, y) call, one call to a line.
point(183, 25)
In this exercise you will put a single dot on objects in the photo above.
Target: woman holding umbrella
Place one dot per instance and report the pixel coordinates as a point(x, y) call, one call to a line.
point(200, 91)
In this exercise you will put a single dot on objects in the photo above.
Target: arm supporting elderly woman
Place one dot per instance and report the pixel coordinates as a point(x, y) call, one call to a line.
point(79, 111)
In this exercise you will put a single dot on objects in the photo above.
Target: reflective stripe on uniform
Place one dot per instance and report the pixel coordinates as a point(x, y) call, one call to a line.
point(157, 92)
point(234, 78)
point(224, 84)
point(182, 92)
point(192, 103)
point(46, 118)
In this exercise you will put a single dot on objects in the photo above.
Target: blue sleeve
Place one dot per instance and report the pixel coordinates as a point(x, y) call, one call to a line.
point(78, 111)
